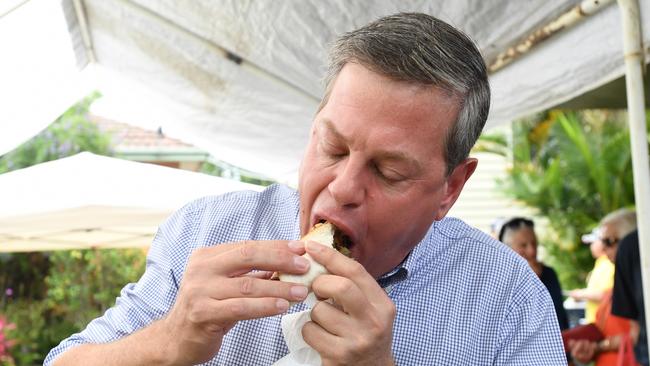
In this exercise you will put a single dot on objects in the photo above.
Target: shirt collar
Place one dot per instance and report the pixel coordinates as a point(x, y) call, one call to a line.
point(405, 269)
point(397, 275)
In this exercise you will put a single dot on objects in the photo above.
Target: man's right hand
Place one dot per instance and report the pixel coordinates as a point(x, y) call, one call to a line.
point(218, 289)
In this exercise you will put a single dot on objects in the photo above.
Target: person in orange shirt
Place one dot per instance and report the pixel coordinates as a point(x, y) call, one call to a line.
point(605, 353)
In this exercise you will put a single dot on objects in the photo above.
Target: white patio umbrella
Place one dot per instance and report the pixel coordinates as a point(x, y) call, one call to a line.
point(88, 200)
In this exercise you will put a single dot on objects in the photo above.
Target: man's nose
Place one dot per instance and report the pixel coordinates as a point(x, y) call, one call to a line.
point(348, 187)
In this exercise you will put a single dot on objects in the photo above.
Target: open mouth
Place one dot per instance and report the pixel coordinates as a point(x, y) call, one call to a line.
point(342, 241)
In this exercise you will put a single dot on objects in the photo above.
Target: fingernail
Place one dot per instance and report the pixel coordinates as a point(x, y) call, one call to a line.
point(298, 292)
point(282, 304)
point(300, 262)
point(294, 244)
point(315, 247)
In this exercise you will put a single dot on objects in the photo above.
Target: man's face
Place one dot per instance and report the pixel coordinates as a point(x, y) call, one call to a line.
point(375, 166)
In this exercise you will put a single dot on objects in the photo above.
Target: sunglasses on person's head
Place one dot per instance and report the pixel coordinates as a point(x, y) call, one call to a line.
point(609, 242)
point(515, 223)
point(519, 221)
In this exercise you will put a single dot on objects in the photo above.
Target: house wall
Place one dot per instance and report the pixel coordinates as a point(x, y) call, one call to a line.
point(481, 202)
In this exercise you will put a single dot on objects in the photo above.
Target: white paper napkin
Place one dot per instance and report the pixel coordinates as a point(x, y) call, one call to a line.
point(300, 353)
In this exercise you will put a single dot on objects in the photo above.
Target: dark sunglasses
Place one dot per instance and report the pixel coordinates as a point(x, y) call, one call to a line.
point(609, 242)
point(514, 223)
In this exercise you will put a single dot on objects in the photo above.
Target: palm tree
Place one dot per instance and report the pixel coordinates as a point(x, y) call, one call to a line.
point(572, 168)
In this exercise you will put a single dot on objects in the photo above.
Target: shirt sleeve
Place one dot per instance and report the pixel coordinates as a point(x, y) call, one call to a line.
point(139, 303)
point(623, 303)
point(530, 334)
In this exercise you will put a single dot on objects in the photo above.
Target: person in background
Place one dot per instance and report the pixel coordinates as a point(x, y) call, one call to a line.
point(605, 353)
point(627, 298)
point(519, 234)
point(600, 279)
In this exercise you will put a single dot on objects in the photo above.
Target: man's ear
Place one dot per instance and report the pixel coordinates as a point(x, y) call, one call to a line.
point(454, 185)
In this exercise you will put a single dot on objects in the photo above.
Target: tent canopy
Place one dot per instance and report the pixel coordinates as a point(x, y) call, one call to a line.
point(241, 79)
point(92, 200)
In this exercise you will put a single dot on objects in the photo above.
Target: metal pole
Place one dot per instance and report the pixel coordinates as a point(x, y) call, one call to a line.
point(563, 22)
point(633, 49)
point(83, 27)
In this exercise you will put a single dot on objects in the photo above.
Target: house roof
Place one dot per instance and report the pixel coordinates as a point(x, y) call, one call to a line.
point(127, 136)
point(140, 144)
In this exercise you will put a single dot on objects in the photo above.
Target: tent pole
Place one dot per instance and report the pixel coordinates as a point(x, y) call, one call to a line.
point(6, 11)
point(564, 21)
point(83, 27)
point(633, 49)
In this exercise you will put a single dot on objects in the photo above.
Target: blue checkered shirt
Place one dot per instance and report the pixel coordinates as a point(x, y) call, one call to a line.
point(462, 298)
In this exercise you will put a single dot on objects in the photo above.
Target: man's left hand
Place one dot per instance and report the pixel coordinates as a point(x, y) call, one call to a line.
point(357, 329)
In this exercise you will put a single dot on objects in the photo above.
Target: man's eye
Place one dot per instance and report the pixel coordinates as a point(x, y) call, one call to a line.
point(334, 152)
point(388, 175)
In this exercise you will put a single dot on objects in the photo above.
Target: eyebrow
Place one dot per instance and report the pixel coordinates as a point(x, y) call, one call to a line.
point(331, 129)
point(398, 156)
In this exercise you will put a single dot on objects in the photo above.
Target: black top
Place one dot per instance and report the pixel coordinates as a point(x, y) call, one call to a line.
point(549, 279)
point(627, 297)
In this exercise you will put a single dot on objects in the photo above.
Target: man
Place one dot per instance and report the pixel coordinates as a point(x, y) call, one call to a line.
point(406, 98)
point(627, 298)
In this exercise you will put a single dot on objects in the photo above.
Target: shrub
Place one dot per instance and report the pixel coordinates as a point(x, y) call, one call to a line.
point(71, 133)
point(80, 286)
point(572, 168)
point(5, 343)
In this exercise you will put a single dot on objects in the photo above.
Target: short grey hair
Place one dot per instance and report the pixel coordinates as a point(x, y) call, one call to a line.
point(418, 48)
point(623, 220)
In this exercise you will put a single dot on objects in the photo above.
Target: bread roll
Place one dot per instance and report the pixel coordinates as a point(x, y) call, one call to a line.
point(322, 234)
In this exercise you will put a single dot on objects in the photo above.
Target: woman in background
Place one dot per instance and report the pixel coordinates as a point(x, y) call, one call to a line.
point(519, 234)
point(599, 280)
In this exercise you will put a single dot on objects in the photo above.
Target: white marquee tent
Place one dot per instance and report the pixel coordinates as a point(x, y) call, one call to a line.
point(88, 200)
point(241, 79)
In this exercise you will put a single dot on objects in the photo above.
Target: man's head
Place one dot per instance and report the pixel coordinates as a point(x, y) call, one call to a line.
point(406, 98)
point(613, 228)
point(419, 49)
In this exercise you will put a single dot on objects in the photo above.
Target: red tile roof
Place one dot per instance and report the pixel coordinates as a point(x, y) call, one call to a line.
point(126, 136)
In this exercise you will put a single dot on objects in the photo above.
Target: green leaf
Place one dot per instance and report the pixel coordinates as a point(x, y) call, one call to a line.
point(571, 168)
